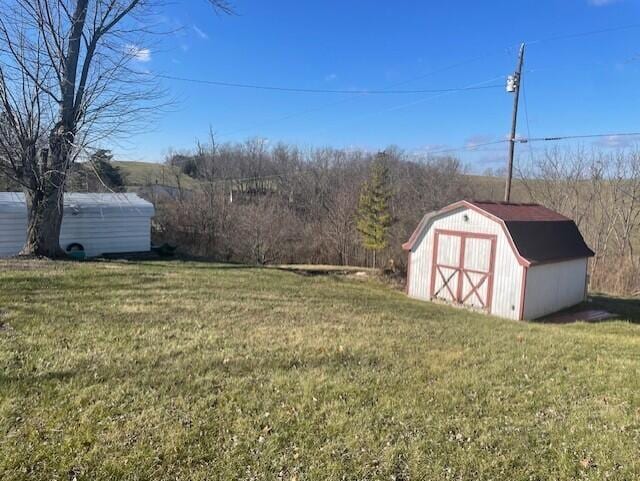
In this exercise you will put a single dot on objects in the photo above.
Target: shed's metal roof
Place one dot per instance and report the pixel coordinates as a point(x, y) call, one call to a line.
point(86, 202)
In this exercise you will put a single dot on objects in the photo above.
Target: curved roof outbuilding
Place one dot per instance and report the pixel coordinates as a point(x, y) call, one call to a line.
point(537, 234)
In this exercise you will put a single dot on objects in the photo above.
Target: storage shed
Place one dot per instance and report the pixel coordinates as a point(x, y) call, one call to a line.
point(519, 261)
point(100, 223)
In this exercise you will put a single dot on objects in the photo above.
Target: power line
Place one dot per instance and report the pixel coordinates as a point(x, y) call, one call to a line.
point(526, 117)
point(322, 91)
point(355, 96)
point(584, 34)
point(473, 147)
point(583, 136)
point(409, 104)
point(466, 147)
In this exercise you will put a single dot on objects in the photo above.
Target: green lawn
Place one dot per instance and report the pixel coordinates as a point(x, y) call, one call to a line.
point(194, 371)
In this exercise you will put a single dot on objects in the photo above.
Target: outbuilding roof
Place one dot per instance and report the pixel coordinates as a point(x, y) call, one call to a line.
point(536, 233)
point(87, 203)
point(519, 212)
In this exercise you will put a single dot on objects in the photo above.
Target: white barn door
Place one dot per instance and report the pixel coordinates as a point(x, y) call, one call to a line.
point(463, 268)
point(445, 276)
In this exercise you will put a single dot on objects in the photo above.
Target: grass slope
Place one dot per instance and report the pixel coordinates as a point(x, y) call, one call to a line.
point(198, 371)
point(139, 174)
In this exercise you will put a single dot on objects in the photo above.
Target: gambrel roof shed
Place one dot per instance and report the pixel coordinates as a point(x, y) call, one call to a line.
point(514, 260)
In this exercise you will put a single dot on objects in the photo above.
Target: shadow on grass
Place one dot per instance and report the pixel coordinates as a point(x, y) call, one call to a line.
point(622, 308)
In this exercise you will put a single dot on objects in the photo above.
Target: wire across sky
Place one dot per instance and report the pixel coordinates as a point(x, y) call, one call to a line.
point(326, 91)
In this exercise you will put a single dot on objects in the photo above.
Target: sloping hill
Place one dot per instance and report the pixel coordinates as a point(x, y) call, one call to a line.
point(139, 174)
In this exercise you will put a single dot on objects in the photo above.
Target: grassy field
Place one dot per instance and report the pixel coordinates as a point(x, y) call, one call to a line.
point(148, 173)
point(194, 371)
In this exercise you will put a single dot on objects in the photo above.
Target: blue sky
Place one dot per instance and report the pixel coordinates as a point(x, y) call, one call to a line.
point(573, 85)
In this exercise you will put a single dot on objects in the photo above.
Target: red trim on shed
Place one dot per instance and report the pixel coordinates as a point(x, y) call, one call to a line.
point(408, 273)
point(555, 261)
point(463, 248)
point(463, 272)
point(492, 267)
point(457, 205)
point(434, 259)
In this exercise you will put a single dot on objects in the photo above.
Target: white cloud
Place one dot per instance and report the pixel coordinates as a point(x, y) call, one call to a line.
point(476, 140)
point(140, 54)
point(497, 158)
point(617, 141)
point(601, 3)
point(431, 148)
point(330, 77)
point(200, 33)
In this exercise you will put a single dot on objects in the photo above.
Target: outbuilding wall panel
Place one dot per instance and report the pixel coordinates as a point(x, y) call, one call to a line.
point(107, 235)
point(555, 286)
point(508, 272)
point(102, 223)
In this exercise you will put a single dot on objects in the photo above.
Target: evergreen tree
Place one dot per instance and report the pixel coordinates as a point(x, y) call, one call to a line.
point(107, 173)
point(374, 216)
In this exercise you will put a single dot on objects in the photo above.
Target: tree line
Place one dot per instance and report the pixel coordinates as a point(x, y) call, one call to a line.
point(281, 204)
point(259, 203)
point(600, 191)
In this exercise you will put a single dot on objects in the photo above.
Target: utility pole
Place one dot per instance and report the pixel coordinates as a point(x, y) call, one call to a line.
point(513, 85)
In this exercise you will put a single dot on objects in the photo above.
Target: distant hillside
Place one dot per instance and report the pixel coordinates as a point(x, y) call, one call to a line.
point(139, 174)
point(492, 188)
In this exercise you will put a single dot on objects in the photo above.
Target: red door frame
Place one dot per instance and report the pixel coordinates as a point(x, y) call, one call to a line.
point(464, 235)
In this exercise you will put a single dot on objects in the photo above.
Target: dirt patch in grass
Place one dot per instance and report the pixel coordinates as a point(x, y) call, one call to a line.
point(4, 325)
point(320, 270)
point(24, 264)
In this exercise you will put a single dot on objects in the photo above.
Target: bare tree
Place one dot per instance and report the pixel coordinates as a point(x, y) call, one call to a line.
point(297, 205)
point(601, 192)
point(68, 78)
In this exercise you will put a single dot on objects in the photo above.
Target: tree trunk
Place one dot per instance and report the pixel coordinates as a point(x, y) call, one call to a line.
point(43, 228)
point(45, 197)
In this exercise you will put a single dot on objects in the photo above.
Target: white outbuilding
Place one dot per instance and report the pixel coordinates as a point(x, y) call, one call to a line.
point(519, 261)
point(97, 223)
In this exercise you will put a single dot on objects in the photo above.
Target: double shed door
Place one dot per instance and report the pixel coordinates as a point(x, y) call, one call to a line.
point(463, 268)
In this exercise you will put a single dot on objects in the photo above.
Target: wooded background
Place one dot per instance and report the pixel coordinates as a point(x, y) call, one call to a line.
point(258, 203)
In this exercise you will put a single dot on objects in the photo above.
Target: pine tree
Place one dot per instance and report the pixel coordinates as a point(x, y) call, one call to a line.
point(374, 217)
point(107, 173)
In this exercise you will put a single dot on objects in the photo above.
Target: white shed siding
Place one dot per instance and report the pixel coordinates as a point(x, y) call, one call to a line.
point(552, 287)
point(108, 234)
point(13, 223)
point(507, 282)
point(102, 223)
point(477, 257)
